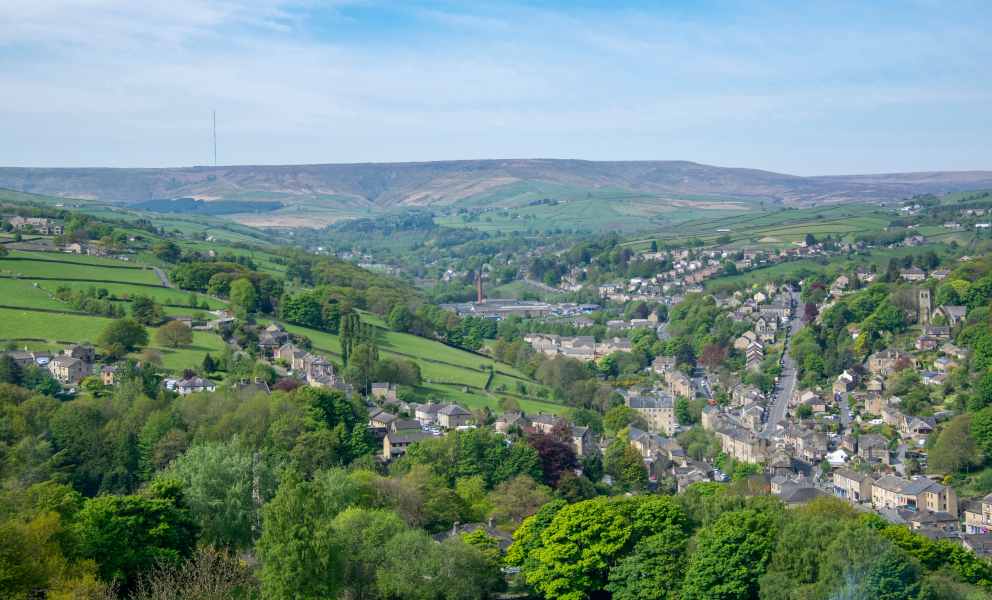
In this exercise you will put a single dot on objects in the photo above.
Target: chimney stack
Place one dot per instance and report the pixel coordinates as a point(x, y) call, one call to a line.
point(492, 522)
point(243, 381)
point(454, 530)
point(480, 284)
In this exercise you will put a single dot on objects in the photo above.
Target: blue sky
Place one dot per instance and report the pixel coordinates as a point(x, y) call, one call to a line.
point(808, 88)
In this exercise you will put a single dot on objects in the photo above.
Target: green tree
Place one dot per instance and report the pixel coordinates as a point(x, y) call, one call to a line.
point(300, 550)
point(655, 570)
point(220, 480)
point(366, 536)
point(127, 332)
point(144, 310)
point(623, 416)
point(400, 319)
point(244, 295)
point(93, 385)
point(208, 364)
point(10, 371)
point(810, 240)
point(175, 334)
point(577, 550)
point(361, 442)
point(127, 535)
point(731, 557)
point(167, 251)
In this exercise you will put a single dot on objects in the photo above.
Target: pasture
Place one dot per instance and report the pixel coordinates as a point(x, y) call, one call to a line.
point(17, 293)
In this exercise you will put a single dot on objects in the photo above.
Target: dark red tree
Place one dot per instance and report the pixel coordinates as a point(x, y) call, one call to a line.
point(711, 356)
point(556, 457)
point(287, 385)
point(810, 313)
point(641, 311)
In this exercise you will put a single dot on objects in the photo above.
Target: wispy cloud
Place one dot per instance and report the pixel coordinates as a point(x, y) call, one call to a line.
point(772, 85)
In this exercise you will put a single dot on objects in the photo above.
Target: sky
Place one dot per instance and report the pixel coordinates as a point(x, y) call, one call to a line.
point(799, 87)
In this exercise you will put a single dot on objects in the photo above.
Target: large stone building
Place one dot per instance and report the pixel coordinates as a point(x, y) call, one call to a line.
point(658, 411)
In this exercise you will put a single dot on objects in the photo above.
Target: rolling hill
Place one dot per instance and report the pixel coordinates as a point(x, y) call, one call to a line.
point(386, 186)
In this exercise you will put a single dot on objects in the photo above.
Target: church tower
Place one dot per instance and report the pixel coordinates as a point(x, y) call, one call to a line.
point(924, 315)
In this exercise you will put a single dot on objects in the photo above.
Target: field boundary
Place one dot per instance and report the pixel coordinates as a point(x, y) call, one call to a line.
point(22, 277)
point(69, 262)
point(56, 312)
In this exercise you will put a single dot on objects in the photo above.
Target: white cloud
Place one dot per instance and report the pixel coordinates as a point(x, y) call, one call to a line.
point(279, 70)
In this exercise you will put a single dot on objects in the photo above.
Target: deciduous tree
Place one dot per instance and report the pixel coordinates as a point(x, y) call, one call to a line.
point(175, 334)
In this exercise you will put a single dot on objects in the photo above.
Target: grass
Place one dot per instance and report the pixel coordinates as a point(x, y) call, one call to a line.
point(75, 270)
point(70, 328)
point(16, 293)
point(190, 357)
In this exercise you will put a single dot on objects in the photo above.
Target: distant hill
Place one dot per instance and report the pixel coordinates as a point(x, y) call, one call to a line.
point(391, 185)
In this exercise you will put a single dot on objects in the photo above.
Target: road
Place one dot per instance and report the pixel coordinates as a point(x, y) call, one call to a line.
point(787, 381)
point(697, 378)
point(165, 280)
point(661, 332)
point(845, 410)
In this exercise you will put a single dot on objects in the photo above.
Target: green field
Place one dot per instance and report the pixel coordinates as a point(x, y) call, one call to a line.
point(16, 293)
point(69, 328)
point(588, 208)
point(842, 221)
point(75, 270)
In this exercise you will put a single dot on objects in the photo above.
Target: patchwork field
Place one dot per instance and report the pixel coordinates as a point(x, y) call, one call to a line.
point(18, 293)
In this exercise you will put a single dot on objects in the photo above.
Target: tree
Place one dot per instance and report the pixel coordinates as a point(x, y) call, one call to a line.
point(93, 385)
point(711, 357)
point(655, 570)
point(400, 319)
point(145, 310)
point(804, 411)
point(632, 469)
point(956, 448)
point(516, 499)
point(167, 251)
point(556, 457)
point(300, 550)
point(732, 555)
point(622, 416)
point(127, 332)
point(578, 547)
point(208, 364)
point(244, 295)
point(220, 481)
point(682, 414)
point(3, 251)
point(810, 240)
point(366, 536)
point(10, 371)
point(175, 334)
point(128, 535)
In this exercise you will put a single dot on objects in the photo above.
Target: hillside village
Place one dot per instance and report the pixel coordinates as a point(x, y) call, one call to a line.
point(858, 384)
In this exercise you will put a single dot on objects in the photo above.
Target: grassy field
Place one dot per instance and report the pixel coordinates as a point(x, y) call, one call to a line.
point(16, 293)
point(75, 270)
point(70, 328)
point(588, 208)
point(785, 227)
point(190, 357)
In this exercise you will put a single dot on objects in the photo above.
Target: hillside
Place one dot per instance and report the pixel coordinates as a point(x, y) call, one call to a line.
point(385, 186)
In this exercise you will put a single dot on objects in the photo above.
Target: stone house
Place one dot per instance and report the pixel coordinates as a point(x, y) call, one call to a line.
point(394, 445)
